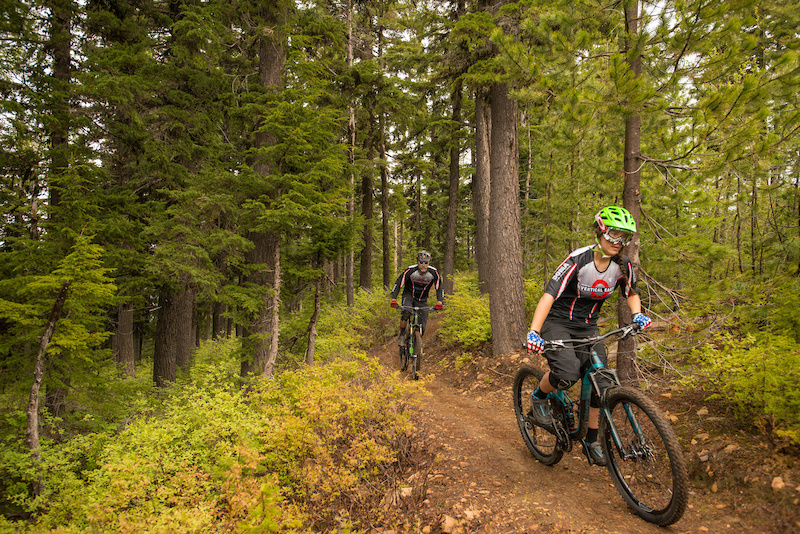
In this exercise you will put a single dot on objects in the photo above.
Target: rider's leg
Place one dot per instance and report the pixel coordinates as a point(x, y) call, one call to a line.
point(401, 340)
point(405, 315)
point(544, 385)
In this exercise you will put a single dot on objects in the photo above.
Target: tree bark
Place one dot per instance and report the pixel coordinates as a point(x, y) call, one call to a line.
point(32, 429)
point(186, 327)
point(506, 289)
point(312, 324)
point(481, 188)
point(448, 269)
point(368, 213)
point(165, 353)
point(265, 256)
point(351, 137)
point(126, 353)
point(258, 333)
point(272, 353)
point(387, 248)
point(631, 193)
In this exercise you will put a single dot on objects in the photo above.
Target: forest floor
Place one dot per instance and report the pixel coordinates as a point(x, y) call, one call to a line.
point(477, 476)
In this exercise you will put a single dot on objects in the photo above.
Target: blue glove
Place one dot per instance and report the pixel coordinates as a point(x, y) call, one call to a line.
point(641, 320)
point(535, 341)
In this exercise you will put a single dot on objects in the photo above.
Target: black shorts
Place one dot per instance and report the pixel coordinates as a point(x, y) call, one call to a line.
point(408, 300)
point(570, 363)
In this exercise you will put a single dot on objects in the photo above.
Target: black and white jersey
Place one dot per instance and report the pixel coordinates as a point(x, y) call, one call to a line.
point(580, 289)
point(412, 282)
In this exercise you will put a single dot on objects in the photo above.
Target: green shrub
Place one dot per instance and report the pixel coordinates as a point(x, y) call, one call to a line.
point(345, 331)
point(314, 449)
point(759, 375)
point(466, 318)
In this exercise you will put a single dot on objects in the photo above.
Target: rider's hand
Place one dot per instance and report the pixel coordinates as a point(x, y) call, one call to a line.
point(535, 341)
point(393, 304)
point(641, 320)
point(438, 306)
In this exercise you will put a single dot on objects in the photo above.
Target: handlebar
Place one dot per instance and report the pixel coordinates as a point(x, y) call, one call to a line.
point(618, 334)
point(415, 308)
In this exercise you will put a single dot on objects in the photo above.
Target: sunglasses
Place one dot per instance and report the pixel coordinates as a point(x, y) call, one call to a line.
point(424, 262)
point(621, 238)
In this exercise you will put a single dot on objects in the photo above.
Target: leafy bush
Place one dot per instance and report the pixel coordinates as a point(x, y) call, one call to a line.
point(759, 375)
point(466, 319)
point(345, 331)
point(310, 450)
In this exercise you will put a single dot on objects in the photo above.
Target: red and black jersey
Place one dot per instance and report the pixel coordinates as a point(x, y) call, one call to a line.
point(580, 289)
point(417, 284)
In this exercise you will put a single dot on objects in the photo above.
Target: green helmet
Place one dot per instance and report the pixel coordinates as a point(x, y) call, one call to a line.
point(612, 217)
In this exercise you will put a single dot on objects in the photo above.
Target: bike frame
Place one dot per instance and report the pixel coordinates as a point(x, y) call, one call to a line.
point(414, 323)
point(589, 383)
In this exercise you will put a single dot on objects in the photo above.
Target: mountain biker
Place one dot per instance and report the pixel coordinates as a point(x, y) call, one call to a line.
point(416, 282)
point(571, 304)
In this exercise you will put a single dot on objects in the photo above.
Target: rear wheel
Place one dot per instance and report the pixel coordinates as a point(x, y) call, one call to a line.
point(649, 470)
point(542, 443)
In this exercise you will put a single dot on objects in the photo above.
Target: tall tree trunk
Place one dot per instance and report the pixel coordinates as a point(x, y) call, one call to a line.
point(59, 91)
point(506, 292)
point(481, 187)
point(32, 428)
point(386, 241)
point(167, 334)
point(219, 323)
point(351, 138)
point(265, 255)
point(186, 327)
point(272, 354)
point(455, 181)
point(368, 213)
point(60, 43)
point(312, 324)
point(258, 334)
point(418, 207)
point(126, 354)
point(631, 193)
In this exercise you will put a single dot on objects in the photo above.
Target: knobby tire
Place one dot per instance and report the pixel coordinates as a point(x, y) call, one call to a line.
point(655, 484)
point(404, 357)
point(542, 442)
point(417, 356)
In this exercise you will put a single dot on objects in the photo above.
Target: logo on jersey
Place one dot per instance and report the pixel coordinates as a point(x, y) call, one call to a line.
point(598, 290)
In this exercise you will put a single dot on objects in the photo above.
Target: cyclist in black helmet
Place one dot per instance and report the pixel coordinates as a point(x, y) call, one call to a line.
point(416, 282)
point(571, 304)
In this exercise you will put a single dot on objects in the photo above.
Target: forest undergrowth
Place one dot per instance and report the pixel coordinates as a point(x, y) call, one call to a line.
point(332, 447)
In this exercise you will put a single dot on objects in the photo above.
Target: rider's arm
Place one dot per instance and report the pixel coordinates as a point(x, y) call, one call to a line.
point(634, 303)
point(398, 284)
point(541, 312)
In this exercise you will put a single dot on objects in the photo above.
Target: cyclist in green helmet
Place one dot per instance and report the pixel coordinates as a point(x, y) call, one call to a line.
point(571, 304)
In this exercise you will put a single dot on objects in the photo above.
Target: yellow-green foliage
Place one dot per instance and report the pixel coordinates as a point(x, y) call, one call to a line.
point(758, 374)
point(307, 451)
point(343, 331)
point(466, 318)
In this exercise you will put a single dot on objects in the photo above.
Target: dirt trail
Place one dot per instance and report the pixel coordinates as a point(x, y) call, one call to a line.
point(486, 480)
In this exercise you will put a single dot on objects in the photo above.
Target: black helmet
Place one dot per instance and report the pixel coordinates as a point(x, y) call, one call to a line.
point(423, 256)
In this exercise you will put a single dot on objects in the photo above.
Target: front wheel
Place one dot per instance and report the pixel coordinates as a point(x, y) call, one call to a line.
point(403, 358)
point(542, 443)
point(648, 469)
point(417, 356)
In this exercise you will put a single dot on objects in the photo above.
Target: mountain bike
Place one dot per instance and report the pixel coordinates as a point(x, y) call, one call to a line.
point(642, 451)
point(412, 351)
